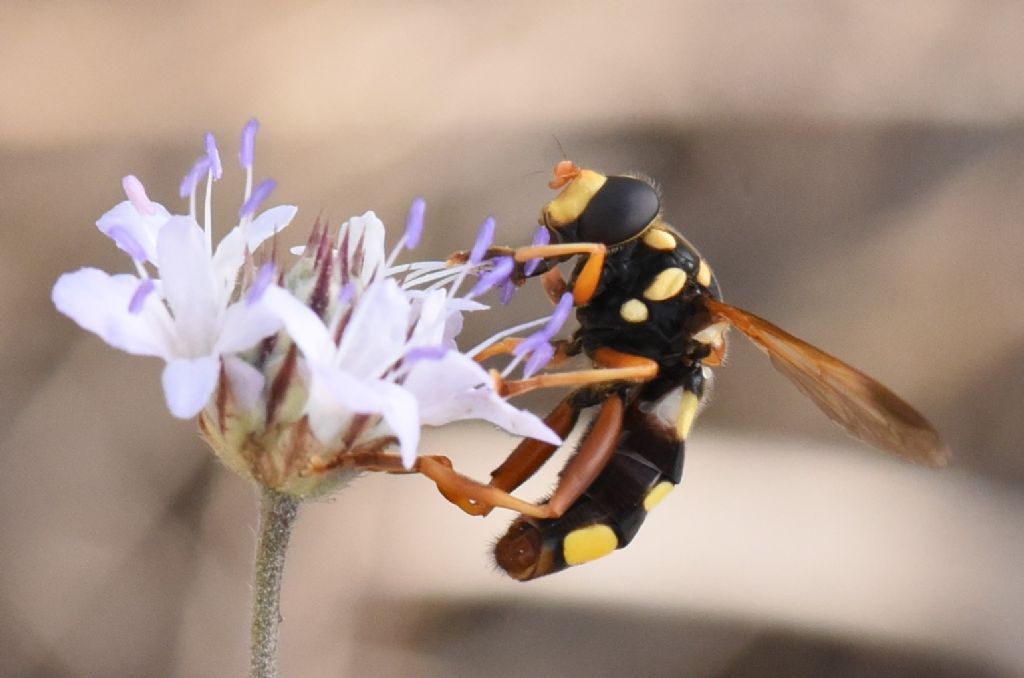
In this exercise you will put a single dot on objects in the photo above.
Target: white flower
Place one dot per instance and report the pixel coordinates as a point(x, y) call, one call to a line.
point(187, 316)
point(385, 364)
point(298, 386)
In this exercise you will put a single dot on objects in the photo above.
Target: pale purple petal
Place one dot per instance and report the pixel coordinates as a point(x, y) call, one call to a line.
point(374, 338)
point(455, 388)
point(99, 303)
point(246, 150)
point(259, 194)
point(369, 230)
point(304, 326)
point(228, 258)
point(431, 313)
point(246, 324)
point(245, 381)
point(143, 228)
point(414, 223)
point(272, 221)
point(127, 242)
point(188, 384)
point(397, 406)
point(189, 285)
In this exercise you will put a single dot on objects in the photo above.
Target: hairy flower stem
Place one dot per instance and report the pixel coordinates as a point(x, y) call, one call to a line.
point(277, 516)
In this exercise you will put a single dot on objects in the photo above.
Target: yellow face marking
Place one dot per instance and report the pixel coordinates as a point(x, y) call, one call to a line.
point(588, 543)
point(704, 274)
point(633, 311)
point(570, 203)
point(687, 413)
point(657, 239)
point(657, 493)
point(666, 285)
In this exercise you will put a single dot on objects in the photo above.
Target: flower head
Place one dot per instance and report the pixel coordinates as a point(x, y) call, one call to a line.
point(181, 304)
point(300, 374)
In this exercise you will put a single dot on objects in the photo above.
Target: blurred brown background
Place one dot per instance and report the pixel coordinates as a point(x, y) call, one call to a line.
point(853, 171)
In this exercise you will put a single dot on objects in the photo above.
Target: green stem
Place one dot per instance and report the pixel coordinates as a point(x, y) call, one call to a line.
point(277, 516)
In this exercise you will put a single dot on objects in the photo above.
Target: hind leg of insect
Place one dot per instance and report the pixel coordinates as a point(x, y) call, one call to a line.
point(531, 454)
point(476, 498)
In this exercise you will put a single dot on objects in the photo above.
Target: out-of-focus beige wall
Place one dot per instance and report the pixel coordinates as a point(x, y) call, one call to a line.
point(853, 171)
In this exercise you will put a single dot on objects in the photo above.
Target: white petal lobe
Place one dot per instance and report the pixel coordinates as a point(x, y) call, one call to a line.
point(188, 384)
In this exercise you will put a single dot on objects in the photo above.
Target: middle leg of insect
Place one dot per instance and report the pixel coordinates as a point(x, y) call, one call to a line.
point(615, 366)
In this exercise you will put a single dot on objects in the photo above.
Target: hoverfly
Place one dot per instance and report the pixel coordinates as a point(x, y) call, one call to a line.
point(653, 323)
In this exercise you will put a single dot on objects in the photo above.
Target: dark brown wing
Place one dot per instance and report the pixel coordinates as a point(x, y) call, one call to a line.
point(858, 403)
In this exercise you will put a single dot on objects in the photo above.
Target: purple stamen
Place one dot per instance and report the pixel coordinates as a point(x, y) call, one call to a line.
point(127, 242)
point(484, 237)
point(425, 353)
point(136, 193)
point(213, 155)
point(561, 314)
point(260, 283)
point(500, 272)
point(540, 237)
point(259, 194)
point(540, 357)
point(508, 288)
point(414, 223)
point(247, 148)
point(139, 298)
point(347, 291)
point(191, 180)
point(549, 330)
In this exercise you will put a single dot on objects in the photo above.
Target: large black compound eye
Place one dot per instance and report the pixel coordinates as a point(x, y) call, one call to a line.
point(620, 210)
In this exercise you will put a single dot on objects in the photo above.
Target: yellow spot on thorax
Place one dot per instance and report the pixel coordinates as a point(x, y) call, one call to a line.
point(704, 274)
point(570, 203)
point(588, 543)
point(657, 239)
point(687, 413)
point(666, 284)
point(633, 311)
point(657, 493)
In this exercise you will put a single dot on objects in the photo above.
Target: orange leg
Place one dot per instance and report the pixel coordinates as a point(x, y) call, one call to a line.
point(616, 366)
point(554, 284)
point(586, 281)
point(588, 462)
point(478, 499)
point(563, 350)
